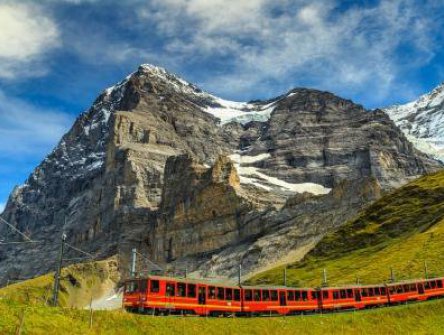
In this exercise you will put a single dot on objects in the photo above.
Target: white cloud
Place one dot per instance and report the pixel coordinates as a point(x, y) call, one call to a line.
point(354, 48)
point(29, 130)
point(26, 35)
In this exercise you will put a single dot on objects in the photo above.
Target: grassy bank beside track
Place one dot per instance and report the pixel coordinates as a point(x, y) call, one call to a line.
point(419, 318)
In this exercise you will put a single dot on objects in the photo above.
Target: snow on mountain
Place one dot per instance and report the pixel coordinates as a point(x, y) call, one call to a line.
point(253, 175)
point(422, 121)
point(225, 110)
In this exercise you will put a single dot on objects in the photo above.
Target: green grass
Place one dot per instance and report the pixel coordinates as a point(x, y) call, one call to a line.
point(402, 230)
point(78, 283)
point(424, 318)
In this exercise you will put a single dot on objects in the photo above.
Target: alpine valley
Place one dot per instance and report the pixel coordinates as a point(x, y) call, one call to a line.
point(192, 180)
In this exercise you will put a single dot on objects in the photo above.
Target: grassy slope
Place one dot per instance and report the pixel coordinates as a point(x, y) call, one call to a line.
point(401, 230)
point(79, 282)
point(425, 318)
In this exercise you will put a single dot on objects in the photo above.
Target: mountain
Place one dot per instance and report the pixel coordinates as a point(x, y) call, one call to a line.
point(401, 231)
point(192, 180)
point(422, 121)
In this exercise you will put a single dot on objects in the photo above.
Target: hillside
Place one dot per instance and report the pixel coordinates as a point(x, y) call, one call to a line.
point(79, 283)
point(402, 230)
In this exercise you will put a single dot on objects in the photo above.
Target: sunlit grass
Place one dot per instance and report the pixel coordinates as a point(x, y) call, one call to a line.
point(424, 318)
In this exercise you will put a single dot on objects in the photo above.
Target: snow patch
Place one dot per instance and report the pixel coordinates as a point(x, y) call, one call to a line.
point(241, 112)
point(253, 175)
point(244, 159)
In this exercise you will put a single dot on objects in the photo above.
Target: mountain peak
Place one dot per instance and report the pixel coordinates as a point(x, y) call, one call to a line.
point(421, 121)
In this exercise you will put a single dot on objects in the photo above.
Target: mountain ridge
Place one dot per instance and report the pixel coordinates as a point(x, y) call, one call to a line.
point(108, 182)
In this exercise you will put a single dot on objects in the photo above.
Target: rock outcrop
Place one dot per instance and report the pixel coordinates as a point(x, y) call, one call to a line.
point(189, 178)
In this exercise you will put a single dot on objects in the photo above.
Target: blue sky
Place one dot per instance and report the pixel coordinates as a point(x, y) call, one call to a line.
point(57, 56)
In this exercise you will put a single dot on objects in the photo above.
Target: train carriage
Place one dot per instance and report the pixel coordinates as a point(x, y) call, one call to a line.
point(302, 300)
point(263, 300)
point(354, 297)
point(415, 290)
point(164, 295)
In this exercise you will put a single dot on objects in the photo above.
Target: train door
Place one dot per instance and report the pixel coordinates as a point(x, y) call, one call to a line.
point(358, 295)
point(170, 292)
point(142, 294)
point(282, 298)
point(420, 288)
point(202, 296)
point(316, 295)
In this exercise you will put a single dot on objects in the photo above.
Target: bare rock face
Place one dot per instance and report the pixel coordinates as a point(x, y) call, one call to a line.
point(187, 177)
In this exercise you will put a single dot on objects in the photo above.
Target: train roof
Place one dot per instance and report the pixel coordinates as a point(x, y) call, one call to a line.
point(208, 281)
point(411, 281)
point(225, 283)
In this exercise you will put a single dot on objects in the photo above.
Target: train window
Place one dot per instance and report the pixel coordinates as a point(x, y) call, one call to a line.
point(170, 289)
point(413, 287)
point(427, 285)
point(290, 295)
point(304, 295)
point(274, 295)
point(131, 287)
point(392, 289)
point(371, 293)
point(154, 286)
point(220, 293)
point(181, 290)
point(314, 295)
point(265, 295)
point(297, 295)
point(343, 294)
point(383, 291)
point(248, 295)
point(335, 295)
point(236, 294)
point(257, 295)
point(349, 293)
point(211, 292)
point(324, 294)
point(406, 288)
point(399, 289)
point(191, 291)
point(433, 284)
point(377, 292)
point(439, 282)
point(364, 292)
point(228, 294)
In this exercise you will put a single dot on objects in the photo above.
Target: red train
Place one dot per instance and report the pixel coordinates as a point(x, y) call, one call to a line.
point(164, 295)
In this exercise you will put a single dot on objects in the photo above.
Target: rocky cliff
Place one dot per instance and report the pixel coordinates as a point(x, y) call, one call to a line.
point(197, 181)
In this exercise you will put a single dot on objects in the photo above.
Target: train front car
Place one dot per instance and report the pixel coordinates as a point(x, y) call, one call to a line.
point(415, 290)
point(163, 295)
point(134, 294)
